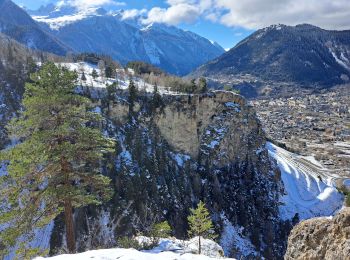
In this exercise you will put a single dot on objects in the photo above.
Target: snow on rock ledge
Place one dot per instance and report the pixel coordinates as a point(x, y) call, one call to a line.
point(129, 254)
point(168, 249)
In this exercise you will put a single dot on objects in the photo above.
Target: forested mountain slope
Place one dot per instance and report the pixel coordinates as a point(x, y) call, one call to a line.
point(302, 55)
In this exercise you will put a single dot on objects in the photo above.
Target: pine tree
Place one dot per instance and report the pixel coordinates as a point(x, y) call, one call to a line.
point(83, 77)
point(94, 74)
point(156, 98)
point(202, 85)
point(132, 96)
point(162, 229)
point(159, 230)
point(200, 224)
point(56, 166)
point(112, 90)
point(192, 87)
point(109, 72)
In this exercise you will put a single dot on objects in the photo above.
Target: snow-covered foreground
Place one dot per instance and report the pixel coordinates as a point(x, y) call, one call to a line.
point(310, 189)
point(129, 254)
point(168, 249)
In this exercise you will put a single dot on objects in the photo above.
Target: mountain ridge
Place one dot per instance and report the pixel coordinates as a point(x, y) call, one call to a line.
point(97, 30)
point(303, 55)
point(17, 24)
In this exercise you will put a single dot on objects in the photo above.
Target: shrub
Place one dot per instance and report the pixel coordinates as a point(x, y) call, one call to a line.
point(129, 242)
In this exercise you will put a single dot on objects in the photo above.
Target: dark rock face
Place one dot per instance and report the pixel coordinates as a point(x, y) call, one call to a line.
point(158, 176)
point(17, 24)
point(304, 55)
point(321, 238)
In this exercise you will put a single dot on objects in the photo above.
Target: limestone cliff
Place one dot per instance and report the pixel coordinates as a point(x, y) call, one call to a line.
point(206, 147)
point(321, 238)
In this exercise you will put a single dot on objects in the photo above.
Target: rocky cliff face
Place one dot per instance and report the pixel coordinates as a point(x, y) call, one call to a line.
point(206, 147)
point(321, 238)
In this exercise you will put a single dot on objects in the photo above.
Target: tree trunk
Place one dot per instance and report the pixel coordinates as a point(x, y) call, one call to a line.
point(199, 245)
point(68, 209)
point(68, 215)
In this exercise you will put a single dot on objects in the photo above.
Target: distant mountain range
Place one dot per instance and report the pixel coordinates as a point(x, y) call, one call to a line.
point(279, 55)
point(17, 24)
point(302, 55)
point(96, 30)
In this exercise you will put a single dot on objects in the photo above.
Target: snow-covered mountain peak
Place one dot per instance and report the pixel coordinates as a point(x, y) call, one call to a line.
point(124, 36)
point(64, 15)
point(163, 28)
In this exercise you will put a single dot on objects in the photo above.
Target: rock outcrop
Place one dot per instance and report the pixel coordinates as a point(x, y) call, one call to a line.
point(206, 147)
point(321, 238)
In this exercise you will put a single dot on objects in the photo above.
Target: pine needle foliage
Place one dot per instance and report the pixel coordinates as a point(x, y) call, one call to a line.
point(55, 167)
point(200, 224)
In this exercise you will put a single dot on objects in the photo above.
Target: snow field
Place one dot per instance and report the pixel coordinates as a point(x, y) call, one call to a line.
point(168, 249)
point(309, 189)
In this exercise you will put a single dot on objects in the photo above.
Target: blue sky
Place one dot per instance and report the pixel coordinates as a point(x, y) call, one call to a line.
point(227, 21)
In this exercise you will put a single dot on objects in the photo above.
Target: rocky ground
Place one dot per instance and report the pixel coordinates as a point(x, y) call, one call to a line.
point(321, 238)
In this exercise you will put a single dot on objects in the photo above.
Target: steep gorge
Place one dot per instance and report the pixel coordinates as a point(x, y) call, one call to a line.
point(206, 147)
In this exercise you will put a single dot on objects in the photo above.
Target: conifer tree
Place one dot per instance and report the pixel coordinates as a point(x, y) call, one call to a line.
point(83, 77)
point(202, 85)
point(132, 96)
point(200, 224)
point(162, 229)
point(55, 167)
point(192, 87)
point(112, 90)
point(159, 230)
point(109, 71)
point(94, 74)
point(156, 98)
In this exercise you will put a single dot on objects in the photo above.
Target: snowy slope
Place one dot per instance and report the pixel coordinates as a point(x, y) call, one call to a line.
point(129, 254)
point(168, 249)
point(309, 189)
point(98, 86)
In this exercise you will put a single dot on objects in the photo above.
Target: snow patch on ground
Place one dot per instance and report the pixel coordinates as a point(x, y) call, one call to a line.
point(168, 249)
point(181, 159)
point(310, 191)
point(97, 87)
point(128, 254)
point(232, 238)
point(209, 247)
point(233, 105)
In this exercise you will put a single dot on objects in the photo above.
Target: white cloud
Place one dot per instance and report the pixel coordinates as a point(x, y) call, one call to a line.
point(94, 3)
point(133, 13)
point(175, 14)
point(255, 14)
